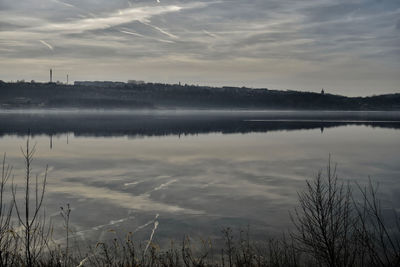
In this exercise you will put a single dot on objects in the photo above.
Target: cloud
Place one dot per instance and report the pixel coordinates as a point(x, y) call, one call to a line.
point(47, 45)
point(143, 36)
point(255, 43)
point(161, 30)
point(210, 34)
point(121, 199)
point(164, 185)
point(117, 18)
point(132, 33)
point(64, 3)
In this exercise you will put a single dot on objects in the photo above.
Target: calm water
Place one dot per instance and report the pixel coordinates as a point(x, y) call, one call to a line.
point(196, 173)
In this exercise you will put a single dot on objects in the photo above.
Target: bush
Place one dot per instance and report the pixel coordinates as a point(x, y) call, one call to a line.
point(333, 228)
point(336, 229)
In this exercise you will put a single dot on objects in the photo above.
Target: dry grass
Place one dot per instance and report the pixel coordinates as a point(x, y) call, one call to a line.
point(332, 228)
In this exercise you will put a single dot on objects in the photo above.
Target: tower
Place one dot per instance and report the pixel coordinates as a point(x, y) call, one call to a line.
point(51, 75)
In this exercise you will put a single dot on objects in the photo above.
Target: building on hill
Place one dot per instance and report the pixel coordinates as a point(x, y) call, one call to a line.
point(135, 82)
point(99, 83)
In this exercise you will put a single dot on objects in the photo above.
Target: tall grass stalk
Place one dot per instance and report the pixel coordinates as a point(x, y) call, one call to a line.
point(332, 228)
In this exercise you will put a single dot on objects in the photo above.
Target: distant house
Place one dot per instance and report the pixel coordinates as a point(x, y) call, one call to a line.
point(21, 101)
point(135, 82)
point(99, 83)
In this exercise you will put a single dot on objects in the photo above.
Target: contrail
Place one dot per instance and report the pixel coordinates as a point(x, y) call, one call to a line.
point(132, 33)
point(151, 236)
point(161, 30)
point(65, 4)
point(141, 35)
point(210, 34)
point(82, 262)
point(146, 224)
point(164, 32)
point(165, 185)
point(102, 226)
point(133, 183)
point(47, 44)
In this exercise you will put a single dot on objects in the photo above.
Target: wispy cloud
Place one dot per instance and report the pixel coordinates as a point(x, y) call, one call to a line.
point(164, 185)
point(210, 34)
point(140, 202)
point(64, 3)
point(47, 45)
point(132, 33)
point(152, 235)
point(161, 30)
point(258, 43)
point(123, 16)
point(144, 36)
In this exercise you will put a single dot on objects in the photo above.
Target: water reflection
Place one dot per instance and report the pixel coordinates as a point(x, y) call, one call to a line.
point(192, 182)
point(183, 122)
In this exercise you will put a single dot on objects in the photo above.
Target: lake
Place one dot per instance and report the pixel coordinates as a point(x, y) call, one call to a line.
point(196, 172)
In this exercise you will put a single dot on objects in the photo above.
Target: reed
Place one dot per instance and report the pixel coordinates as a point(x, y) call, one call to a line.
point(332, 227)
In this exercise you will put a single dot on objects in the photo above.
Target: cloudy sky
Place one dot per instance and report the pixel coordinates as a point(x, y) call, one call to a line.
point(350, 47)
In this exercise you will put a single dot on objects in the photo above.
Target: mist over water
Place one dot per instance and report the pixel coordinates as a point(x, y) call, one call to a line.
point(196, 172)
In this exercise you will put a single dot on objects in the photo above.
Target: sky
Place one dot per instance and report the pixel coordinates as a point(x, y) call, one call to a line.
point(349, 47)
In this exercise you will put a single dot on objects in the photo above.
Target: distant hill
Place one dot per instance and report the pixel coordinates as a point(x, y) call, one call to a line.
point(121, 123)
point(157, 95)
